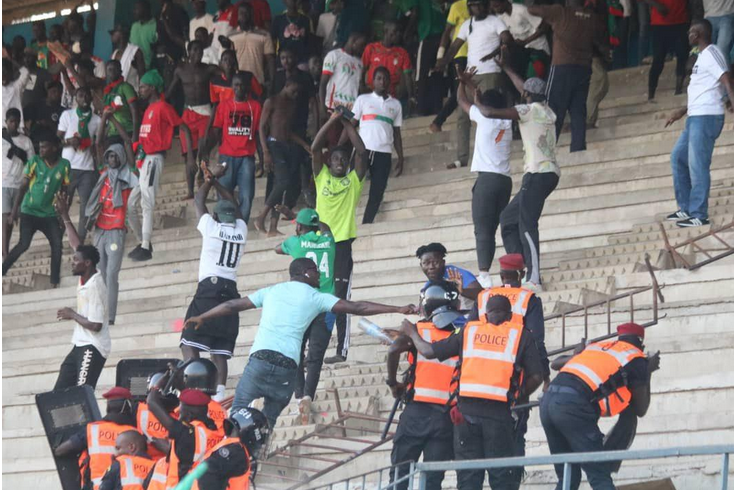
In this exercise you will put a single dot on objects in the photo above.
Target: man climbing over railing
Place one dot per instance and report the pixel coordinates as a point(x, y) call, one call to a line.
point(602, 379)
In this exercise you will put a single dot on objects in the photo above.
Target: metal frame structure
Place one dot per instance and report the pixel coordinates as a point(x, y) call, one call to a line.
point(421, 470)
point(727, 250)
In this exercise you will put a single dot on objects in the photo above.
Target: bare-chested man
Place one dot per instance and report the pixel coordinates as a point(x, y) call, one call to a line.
point(280, 149)
point(194, 77)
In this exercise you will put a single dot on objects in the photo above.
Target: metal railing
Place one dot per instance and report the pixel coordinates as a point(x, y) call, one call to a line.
point(421, 470)
point(718, 249)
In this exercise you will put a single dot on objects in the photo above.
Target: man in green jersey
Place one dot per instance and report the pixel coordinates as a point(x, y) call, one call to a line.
point(318, 245)
point(43, 176)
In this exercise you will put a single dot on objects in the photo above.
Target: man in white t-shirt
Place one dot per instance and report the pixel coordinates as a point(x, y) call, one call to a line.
point(342, 72)
point(483, 34)
point(17, 149)
point(13, 88)
point(77, 129)
point(224, 234)
point(530, 49)
point(519, 220)
point(201, 19)
point(491, 162)
point(379, 117)
point(691, 157)
point(91, 338)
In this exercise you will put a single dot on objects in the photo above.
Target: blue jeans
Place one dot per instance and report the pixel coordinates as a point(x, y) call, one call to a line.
point(241, 174)
point(691, 163)
point(723, 34)
point(570, 422)
point(264, 380)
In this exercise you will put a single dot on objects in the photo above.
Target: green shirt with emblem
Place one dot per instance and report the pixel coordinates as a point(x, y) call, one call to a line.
point(336, 202)
point(319, 247)
point(120, 97)
point(45, 182)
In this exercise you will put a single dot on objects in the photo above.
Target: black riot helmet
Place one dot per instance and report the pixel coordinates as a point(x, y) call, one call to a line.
point(197, 374)
point(170, 400)
point(440, 303)
point(252, 428)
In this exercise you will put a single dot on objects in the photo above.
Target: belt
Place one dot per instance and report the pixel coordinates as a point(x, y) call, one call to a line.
point(563, 389)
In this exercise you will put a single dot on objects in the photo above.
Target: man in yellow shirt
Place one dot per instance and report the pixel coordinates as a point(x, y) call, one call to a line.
point(337, 194)
point(458, 13)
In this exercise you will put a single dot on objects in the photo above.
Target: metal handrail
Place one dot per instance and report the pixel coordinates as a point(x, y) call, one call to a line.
point(567, 459)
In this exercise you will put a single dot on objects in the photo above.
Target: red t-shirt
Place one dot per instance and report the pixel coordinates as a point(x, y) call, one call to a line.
point(220, 89)
point(677, 13)
point(239, 122)
point(111, 218)
point(395, 59)
point(156, 128)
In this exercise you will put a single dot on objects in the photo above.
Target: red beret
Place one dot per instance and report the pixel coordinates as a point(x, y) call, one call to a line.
point(194, 398)
point(631, 329)
point(118, 393)
point(512, 262)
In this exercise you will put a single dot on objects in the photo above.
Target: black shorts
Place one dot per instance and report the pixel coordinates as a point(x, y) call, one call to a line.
point(217, 336)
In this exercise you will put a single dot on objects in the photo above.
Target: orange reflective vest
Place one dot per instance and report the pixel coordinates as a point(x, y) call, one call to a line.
point(133, 471)
point(101, 438)
point(152, 428)
point(160, 474)
point(241, 482)
point(216, 412)
point(597, 364)
point(432, 378)
point(519, 299)
point(205, 440)
point(488, 359)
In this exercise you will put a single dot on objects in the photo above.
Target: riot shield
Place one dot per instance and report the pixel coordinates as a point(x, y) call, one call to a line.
point(133, 374)
point(64, 413)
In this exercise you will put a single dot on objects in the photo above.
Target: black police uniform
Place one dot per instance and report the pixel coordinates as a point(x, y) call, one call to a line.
point(570, 421)
point(227, 462)
point(487, 431)
point(424, 428)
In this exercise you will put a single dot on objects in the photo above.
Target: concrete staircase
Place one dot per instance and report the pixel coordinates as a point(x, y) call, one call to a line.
point(596, 228)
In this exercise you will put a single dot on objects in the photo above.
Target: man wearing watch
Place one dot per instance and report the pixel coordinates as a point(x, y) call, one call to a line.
point(425, 426)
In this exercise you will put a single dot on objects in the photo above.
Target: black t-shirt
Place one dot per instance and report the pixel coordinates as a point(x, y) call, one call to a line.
point(527, 358)
point(226, 462)
point(44, 119)
point(38, 91)
point(179, 24)
point(184, 435)
point(292, 32)
point(305, 82)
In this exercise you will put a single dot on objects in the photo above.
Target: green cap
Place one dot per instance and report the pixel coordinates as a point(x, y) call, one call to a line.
point(226, 211)
point(308, 217)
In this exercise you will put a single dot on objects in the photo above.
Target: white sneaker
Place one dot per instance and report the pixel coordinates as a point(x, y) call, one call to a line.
point(484, 279)
point(304, 409)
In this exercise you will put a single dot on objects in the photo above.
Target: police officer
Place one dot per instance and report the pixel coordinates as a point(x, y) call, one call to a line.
point(425, 425)
point(191, 436)
point(603, 379)
point(96, 443)
point(230, 463)
point(493, 355)
point(201, 374)
point(131, 465)
point(528, 305)
point(150, 426)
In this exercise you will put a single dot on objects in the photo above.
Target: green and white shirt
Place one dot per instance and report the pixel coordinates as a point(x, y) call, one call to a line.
point(319, 247)
point(377, 117)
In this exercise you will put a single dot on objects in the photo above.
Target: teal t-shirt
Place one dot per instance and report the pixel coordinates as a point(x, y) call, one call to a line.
point(319, 247)
point(288, 310)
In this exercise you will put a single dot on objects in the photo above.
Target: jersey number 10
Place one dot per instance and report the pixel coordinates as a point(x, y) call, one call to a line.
point(229, 254)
